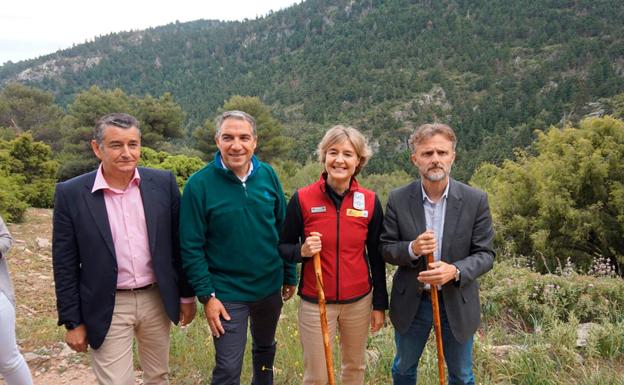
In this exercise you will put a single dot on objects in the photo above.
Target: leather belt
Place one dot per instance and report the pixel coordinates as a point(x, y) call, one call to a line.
point(146, 287)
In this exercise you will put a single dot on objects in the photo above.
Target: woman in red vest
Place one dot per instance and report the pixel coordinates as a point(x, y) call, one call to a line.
point(342, 221)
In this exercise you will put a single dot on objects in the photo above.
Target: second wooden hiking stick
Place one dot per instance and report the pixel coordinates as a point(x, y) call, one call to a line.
point(437, 326)
point(323, 312)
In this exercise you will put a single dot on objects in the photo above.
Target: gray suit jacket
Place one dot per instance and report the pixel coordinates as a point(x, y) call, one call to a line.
point(467, 243)
point(5, 244)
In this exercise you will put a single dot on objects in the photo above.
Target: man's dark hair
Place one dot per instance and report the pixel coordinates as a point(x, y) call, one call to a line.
point(117, 119)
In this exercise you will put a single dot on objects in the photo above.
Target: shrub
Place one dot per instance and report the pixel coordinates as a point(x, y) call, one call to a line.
point(12, 204)
point(567, 200)
point(182, 166)
point(509, 291)
point(28, 175)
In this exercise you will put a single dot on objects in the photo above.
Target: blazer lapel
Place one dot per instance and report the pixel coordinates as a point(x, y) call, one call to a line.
point(97, 207)
point(148, 195)
point(417, 212)
point(453, 211)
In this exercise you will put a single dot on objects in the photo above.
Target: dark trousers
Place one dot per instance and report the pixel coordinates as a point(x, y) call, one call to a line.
point(230, 347)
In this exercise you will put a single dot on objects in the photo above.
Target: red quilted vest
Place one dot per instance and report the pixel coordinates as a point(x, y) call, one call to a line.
point(346, 273)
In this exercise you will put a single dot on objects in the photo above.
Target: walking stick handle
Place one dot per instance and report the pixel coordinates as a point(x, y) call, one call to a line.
point(437, 325)
point(316, 260)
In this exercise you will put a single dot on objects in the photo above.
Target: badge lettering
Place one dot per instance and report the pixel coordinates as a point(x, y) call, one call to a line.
point(320, 209)
point(357, 213)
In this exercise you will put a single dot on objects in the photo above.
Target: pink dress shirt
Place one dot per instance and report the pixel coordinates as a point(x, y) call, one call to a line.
point(129, 230)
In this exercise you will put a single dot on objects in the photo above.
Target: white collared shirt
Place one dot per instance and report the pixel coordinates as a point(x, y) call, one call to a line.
point(242, 178)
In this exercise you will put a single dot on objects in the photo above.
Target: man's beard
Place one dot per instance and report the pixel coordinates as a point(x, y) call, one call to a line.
point(437, 176)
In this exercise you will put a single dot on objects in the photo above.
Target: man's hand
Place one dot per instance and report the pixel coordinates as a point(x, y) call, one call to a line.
point(312, 245)
point(214, 310)
point(77, 338)
point(187, 313)
point(440, 273)
point(377, 320)
point(287, 292)
point(424, 244)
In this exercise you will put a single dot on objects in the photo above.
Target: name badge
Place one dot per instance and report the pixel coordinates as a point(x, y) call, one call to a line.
point(357, 213)
point(358, 201)
point(320, 209)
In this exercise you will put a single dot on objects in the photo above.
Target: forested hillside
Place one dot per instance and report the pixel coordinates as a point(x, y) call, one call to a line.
point(494, 69)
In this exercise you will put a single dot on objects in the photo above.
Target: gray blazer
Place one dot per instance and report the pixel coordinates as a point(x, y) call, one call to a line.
point(5, 244)
point(467, 243)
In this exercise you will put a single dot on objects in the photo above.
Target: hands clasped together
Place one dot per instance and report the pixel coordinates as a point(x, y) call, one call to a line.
point(439, 272)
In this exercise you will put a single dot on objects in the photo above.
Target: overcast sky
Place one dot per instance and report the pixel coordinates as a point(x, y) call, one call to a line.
point(31, 28)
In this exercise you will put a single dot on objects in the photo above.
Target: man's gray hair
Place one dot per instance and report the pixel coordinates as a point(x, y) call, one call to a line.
point(428, 130)
point(235, 114)
point(117, 119)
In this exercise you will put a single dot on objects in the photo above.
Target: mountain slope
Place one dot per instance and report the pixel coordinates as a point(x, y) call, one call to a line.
point(495, 69)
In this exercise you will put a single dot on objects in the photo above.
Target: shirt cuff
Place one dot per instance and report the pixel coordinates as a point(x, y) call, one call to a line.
point(187, 300)
point(411, 253)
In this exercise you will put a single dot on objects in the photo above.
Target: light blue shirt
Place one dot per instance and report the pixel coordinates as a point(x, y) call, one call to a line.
point(434, 218)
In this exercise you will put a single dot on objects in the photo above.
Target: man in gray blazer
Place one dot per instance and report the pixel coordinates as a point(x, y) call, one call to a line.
point(438, 215)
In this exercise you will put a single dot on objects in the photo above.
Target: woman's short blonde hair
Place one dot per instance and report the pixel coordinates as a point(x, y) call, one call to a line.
point(339, 134)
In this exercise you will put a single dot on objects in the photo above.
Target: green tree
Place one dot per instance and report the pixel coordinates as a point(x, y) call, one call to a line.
point(293, 175)
point(567, 200)
point(32, 161)
point(27, 107)
point(90, 105)
point(27, 176)
point(204, 139)
point(382, 184)
point(31, 109)
point(12, 204)
point(160, 118)
point(182, 166)
point(618, 106)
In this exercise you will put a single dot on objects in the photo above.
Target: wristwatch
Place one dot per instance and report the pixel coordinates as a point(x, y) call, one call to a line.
point(205, 298)
point(457, 274)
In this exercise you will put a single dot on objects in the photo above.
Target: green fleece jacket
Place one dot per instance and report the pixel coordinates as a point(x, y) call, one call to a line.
point(229, 232)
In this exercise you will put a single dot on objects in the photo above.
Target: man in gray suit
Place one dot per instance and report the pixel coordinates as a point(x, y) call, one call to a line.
point(438, 215)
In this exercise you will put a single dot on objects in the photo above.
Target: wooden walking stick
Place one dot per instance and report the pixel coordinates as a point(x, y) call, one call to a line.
point(323, 311)
point(437, 326)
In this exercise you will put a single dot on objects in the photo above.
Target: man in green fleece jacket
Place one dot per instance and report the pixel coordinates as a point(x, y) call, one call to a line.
point(231, 215)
